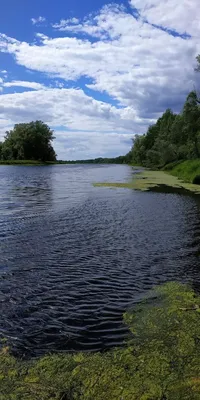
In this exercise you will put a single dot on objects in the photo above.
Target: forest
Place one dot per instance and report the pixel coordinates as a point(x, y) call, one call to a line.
point(173, 138)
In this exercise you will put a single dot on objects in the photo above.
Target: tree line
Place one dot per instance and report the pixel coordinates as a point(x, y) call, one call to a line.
point(174, 137)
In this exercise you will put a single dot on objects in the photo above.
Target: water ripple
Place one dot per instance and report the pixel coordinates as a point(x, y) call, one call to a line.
point(73, 257)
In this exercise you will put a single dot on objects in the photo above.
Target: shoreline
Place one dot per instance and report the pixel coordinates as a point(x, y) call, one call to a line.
point(149, 180)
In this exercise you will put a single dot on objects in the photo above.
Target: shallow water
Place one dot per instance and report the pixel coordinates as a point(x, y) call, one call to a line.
point(73, 257)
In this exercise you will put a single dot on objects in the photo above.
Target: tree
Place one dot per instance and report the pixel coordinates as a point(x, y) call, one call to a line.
point(191, 115)
point(172, 138)
point(197, 69)
point(29, 141)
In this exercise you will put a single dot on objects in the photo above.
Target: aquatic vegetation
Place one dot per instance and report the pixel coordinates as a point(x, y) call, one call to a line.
point(149, 180)
point(161, 361)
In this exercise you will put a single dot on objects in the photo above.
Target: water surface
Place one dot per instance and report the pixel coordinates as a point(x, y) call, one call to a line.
point(73, 257)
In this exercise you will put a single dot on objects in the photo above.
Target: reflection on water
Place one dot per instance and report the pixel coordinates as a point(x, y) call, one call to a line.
point(73, 257)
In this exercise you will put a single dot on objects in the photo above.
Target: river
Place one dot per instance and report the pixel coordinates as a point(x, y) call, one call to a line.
point(74, 257)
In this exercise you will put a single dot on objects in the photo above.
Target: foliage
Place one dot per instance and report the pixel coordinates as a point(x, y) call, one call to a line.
point(29, 141)
point(172, 138)
point(116, 160)
point(161, 361)
point(187, 170)
point(197, 69)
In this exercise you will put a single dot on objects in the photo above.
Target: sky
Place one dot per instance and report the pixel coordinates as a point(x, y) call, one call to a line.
point(96, 72)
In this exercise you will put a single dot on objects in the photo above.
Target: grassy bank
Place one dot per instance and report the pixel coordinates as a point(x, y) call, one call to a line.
point(160, 362)
point(189, 170)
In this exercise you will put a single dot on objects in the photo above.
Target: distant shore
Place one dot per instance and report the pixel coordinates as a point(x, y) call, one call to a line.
point(118, 160)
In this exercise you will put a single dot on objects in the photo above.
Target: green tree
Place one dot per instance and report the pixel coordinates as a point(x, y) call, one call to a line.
point(191, 116)
point(29, 141)
point(139, 150)
point(172, 138)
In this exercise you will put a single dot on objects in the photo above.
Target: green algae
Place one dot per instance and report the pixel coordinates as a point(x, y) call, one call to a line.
point(161, 360)
point(150, 180)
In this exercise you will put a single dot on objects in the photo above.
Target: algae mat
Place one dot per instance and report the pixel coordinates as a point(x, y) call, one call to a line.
point(152, 180)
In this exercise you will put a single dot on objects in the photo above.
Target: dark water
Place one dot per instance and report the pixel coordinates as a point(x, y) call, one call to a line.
point(73, 257)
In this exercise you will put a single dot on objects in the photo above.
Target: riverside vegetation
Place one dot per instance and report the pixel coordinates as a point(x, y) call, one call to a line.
point(170, 147)
point(161, 360)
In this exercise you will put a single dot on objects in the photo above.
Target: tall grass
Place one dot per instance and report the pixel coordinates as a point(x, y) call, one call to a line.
point(186, 170)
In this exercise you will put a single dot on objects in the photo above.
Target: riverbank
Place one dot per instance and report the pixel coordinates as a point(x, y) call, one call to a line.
point(26, 162)
point(188, 171)
point(34, 162)
point(117, 160)
point(146, 180)
point(160, 361)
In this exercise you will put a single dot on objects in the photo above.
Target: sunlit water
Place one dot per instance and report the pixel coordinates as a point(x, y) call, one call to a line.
point(74, 257)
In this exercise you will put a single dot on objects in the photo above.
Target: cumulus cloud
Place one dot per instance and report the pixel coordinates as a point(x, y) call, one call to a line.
point(68, 107)
point(25, 84)
point(38, 21)
point(94, 128)
point(181, 16)
point(142, 59)
point(85, 145)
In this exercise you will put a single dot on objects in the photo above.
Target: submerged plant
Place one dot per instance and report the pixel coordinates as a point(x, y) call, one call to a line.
point(161, 361)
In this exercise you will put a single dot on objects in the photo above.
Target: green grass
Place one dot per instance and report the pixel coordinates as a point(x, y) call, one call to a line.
point(186, 170)
point(161, 361)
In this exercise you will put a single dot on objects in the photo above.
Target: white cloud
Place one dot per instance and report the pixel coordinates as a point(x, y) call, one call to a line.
point(136, 61)
point(25, 84)
point(38, 21)
point(1, 84)
point(70, 108)
point(102, 25)
point(181, 16)
point(93, 128)
point(84, 145)
point(65, 22)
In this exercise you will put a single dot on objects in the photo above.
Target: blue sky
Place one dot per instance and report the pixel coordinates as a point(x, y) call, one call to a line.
point(97, 72)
